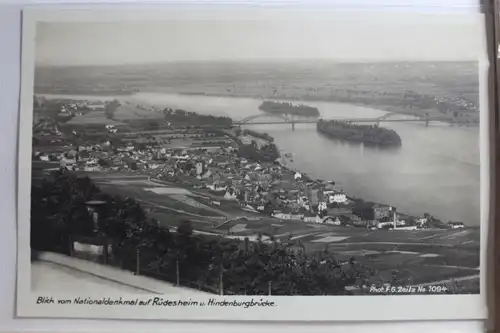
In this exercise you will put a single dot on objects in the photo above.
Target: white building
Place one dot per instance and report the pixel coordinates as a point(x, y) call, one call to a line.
point(283, 216)
point(313, 219)
point(331, 220)
point(399, 223)
point(422, 222)
point(230, 195)
point(67, 161)
point(199, 168)
point(303, 201)
point(456, 225)
point(322, 206)
point(339, 198)
point(217, 188)
point(92, 168)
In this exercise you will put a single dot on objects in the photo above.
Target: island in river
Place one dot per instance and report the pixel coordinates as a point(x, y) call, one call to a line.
point(288, 108)
point(372, 135)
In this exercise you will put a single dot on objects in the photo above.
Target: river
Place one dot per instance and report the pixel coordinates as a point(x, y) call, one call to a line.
point(435, 171)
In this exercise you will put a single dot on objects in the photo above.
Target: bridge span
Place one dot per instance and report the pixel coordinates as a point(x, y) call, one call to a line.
point(357, 120)
point(285, 120)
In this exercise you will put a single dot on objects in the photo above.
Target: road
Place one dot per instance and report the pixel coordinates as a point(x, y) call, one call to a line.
point(50, 277)
point(55, 272)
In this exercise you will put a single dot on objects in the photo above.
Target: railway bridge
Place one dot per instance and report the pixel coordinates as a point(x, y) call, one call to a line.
point(288, 119)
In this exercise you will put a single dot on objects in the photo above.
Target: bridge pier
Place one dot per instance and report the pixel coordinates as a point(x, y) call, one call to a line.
point(293, 126)
point(427, 123)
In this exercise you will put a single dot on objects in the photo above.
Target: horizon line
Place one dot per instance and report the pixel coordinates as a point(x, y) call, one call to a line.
point(339, 61)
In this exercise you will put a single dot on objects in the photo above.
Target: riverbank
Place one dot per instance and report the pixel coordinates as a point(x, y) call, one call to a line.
point(471, 119)
point(403, 220)
point(54, 271)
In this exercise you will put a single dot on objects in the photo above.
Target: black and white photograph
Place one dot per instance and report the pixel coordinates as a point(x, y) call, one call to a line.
point(173, 167)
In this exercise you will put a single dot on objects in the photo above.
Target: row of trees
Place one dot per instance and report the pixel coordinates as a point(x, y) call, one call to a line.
point(182, 117)
point(59, 213)
point(51, 110)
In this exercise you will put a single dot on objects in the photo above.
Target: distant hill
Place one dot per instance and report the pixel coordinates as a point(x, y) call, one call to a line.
point(425, 77)
point(405, 87)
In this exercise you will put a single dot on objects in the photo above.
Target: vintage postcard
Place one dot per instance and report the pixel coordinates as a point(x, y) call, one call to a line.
point(238, 163)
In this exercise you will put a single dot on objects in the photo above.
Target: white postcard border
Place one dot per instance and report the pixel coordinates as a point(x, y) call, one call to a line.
point(289, 308)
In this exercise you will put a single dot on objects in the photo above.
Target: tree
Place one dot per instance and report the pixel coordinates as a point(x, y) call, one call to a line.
point(185, 228)
point(84, 154)
point(141, 146)
point(110, 108)
point(364, 210)
point(268, 208)
point(269, 152)
point(102, 162)
point(344, 220)
point(153, 126)
point(59, 210)
point(411, 220)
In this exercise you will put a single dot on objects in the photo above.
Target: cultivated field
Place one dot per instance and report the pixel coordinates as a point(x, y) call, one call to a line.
point(128, 111)
point(93, 118)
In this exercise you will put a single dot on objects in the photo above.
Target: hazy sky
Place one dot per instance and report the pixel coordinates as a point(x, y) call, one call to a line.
point(337, 37)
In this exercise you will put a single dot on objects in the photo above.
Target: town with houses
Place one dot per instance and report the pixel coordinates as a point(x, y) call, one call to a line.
point(258, 187)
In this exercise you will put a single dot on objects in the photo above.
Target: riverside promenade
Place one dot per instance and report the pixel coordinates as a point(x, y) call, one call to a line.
point(54, 272)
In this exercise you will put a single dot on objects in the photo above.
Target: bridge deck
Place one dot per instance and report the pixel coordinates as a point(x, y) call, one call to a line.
point(356, 120)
